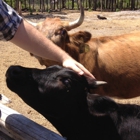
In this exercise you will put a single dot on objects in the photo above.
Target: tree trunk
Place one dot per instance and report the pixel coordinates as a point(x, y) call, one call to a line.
point(132, 4)
point(101, 2)
point(18, 6)
point(95, 5)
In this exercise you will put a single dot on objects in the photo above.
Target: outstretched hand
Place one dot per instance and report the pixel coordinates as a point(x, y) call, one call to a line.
point(79, 68)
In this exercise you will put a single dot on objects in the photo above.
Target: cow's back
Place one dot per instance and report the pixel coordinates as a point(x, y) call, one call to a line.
point(115, 60)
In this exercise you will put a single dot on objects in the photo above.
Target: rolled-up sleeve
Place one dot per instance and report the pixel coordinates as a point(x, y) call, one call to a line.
point(9, 21)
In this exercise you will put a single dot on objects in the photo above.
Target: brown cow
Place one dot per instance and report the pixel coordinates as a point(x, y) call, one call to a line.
point(56, 30)
point(114, 59)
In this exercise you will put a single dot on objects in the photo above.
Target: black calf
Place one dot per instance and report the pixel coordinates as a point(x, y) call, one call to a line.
point(60, 95)
point(126, 117)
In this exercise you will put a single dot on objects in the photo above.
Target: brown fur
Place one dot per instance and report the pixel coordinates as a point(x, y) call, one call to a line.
point(114, 59)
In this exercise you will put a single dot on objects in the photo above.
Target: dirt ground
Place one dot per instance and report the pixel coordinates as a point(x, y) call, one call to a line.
point(116, 23)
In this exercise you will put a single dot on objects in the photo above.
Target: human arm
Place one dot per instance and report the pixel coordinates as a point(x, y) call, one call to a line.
point(31, 40)
point(13, 28)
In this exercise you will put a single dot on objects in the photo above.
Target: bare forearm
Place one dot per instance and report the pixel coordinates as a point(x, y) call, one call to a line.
point(33, 41)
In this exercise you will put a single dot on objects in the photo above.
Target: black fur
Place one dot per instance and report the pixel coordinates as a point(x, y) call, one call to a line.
point(126, 117)
point(60, 95)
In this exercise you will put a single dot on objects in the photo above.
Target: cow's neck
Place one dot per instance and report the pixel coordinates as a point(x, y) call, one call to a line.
point(90, 57)
point(82, 127)
point(75, 120)
point(72, 126)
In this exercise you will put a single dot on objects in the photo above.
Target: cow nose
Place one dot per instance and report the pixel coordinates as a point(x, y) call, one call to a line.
point(13, 71)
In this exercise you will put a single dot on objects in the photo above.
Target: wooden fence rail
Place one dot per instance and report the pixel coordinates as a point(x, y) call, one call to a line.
point(15, 126)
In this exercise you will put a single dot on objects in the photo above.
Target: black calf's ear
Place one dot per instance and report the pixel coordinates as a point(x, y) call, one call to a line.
point(95, 84)
point(101, 105)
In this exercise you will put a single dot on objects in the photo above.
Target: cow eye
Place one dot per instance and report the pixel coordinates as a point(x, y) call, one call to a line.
point(66, 82)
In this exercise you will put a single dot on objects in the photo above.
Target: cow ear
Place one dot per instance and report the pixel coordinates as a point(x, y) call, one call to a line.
point(95, 84)
point(79, 39)
point(84, 35)
point(101, 105)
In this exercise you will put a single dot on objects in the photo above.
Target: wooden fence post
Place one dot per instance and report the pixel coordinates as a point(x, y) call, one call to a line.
point(17, 127)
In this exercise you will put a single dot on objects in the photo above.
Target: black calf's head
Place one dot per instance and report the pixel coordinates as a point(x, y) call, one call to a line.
point(53, 91)
point(101, 105)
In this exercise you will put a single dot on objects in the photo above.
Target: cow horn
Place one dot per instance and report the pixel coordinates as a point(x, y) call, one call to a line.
point(96, 84)
point(79, 21)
